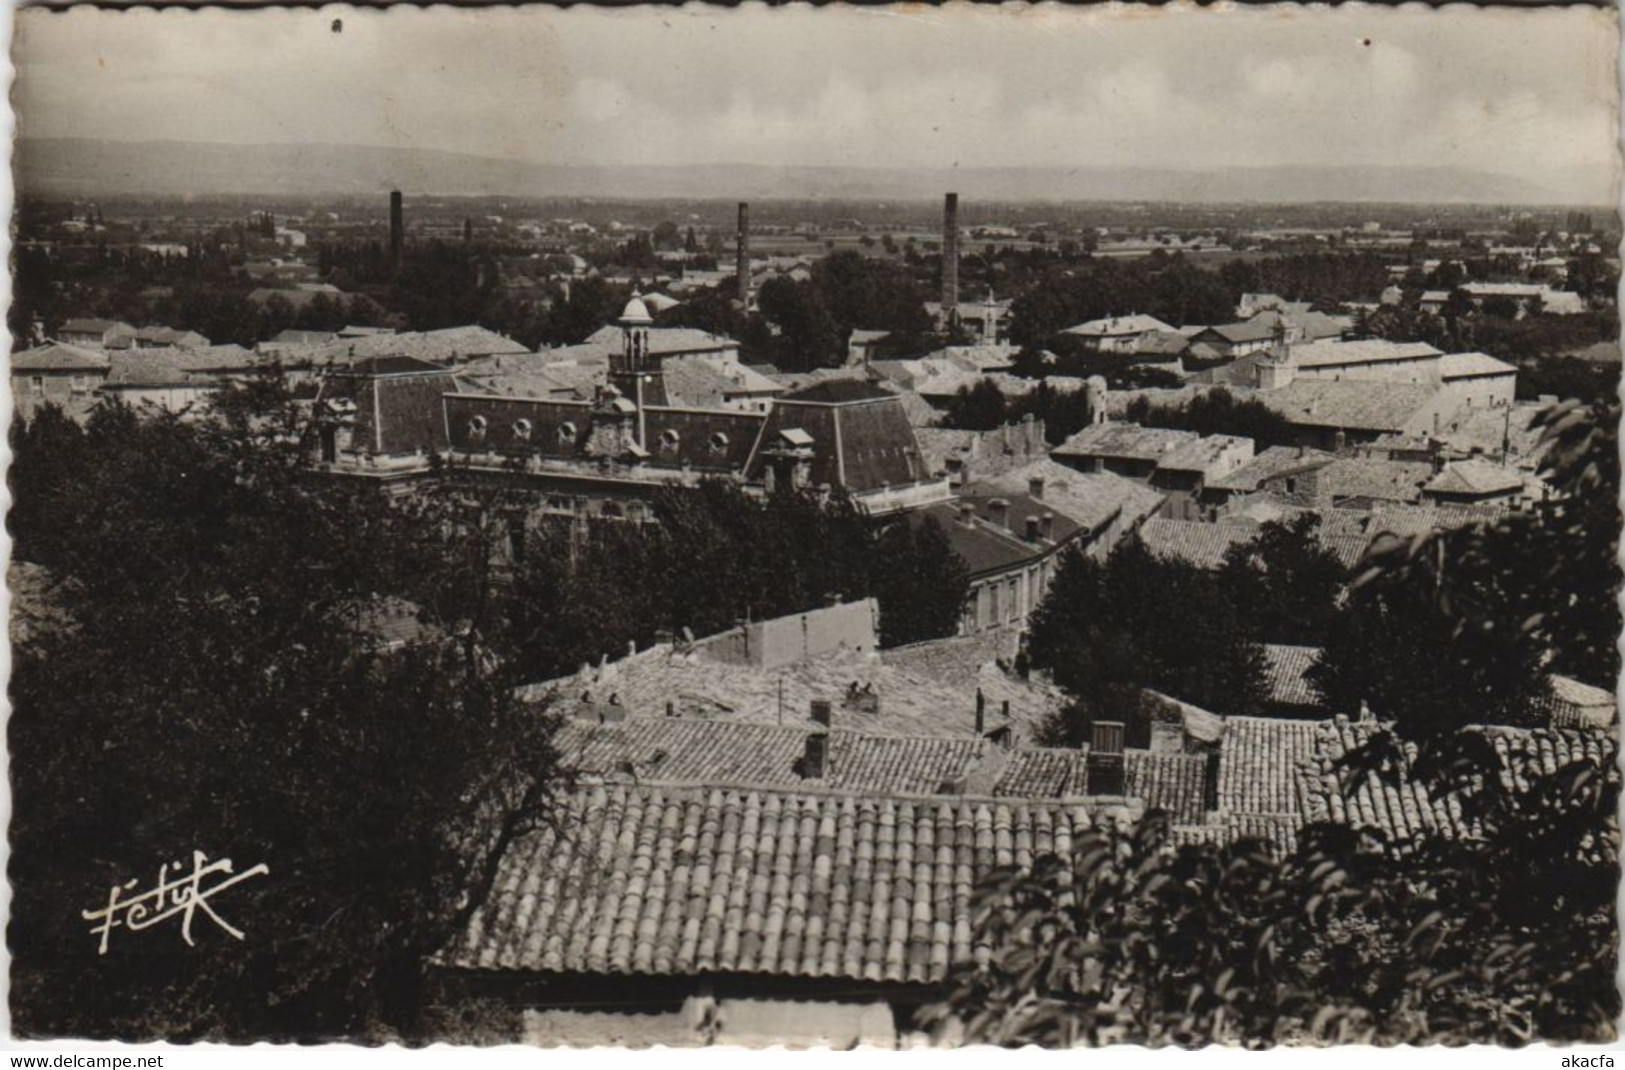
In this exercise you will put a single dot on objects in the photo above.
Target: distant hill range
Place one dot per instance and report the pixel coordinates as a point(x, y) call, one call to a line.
point(88, 168)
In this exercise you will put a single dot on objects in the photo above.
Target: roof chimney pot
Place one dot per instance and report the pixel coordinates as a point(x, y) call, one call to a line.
point(998, 512)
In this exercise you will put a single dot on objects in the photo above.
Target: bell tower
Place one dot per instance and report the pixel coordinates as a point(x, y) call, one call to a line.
point(635, 372)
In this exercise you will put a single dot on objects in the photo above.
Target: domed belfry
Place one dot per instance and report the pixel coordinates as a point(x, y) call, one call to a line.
point(635, 373)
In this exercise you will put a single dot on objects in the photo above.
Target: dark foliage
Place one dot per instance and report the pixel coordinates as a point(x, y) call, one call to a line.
point(715, 558)
point(214, 677)
point(1216, 412)
point(1107, 630)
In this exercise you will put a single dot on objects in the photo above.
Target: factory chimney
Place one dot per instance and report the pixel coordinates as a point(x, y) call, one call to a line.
point(397, 226)
point(950, 260)
point(742, 254)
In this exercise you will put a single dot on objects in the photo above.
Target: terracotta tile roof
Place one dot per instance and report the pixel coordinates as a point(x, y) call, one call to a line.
point(1259, 764)
point(1408, 809)
point(1254, 330)
point(1169, 782)
point(1274, 462)
point(1573, 704)
point(663, 341)
point(646, 880)
point(1284, 668)
point(1041, 773)
point(451, 345)
point(712, 753)
point(1407, 520)
point(925, 689)
point(1195, 542)
point(58, 356)
point(1285, 772)
point(1088, 499)
point(1365, 351)
point(1463, 365)
point(1369, 477)
point(1356, 406)
point(178, 367)
point(1129, 441)
point(1487, 430)
point(1475, 476)
point(1113, 326)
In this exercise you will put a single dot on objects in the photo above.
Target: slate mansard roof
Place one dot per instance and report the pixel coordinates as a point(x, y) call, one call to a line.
point(714, 440)
point(397, 402)
point(861, 438)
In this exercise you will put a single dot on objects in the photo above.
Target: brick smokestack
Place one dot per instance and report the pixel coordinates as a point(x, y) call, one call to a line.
point(397, 225)
point(950, 259)
point(742, 253)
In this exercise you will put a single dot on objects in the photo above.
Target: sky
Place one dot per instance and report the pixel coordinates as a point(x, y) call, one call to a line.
point(1528, 93)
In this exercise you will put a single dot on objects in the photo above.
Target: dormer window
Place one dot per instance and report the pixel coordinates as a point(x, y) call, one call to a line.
point(476, 428)
point(521, 430)
point(567, 434)
point(718, 442)
point(670, 439)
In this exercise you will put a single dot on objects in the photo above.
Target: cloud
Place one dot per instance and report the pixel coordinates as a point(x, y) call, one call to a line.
point(1523, 92)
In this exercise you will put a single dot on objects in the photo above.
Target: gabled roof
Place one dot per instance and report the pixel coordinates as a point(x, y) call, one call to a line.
point(984, 545)
point(1203, 453)
point(679, 750)
point(1204, 545)
point(655, 880)
point(924, 689)
point(1170, 782)
point(1365, 351)
point(1088, 499)
point(1273, 463)
point(1356, 406)
point(95, 326)
point(136, 368)
point(1125, 441)
point(58, 356)
point(1257, 329)
point(1462, 365)
point(1475, 476)
point(1116, 326)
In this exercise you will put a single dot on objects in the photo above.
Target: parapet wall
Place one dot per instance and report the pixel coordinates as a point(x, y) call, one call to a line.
point(770, 644)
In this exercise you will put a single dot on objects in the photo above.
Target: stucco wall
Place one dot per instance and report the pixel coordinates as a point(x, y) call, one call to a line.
point(786, 640)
